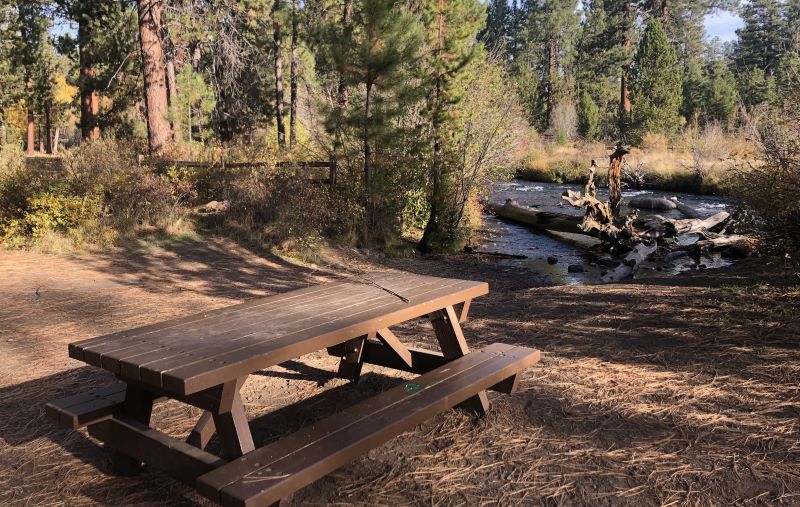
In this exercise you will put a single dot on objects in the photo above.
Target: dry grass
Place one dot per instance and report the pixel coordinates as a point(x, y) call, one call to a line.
point(668, 392)
point(672, 167)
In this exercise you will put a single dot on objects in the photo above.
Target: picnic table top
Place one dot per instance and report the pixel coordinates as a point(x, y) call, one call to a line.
point(187, 355)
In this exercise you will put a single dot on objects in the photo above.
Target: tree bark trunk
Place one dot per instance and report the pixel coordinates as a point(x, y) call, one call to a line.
point(56, 137)
point(159, 133)
point(172, 83)
point(31, 140)
point(624, 91)
point(664, 13)
point(90, 99)
point(347, 20)
point(551, 77)
point(433, 227)
point(276, 34)
point(48, 129)
point(293, 80)
point(367, 147)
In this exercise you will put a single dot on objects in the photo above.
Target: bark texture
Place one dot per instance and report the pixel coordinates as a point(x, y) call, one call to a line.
point(90, 98)
point(159, 133)
point(293, 80)
point(276, 37)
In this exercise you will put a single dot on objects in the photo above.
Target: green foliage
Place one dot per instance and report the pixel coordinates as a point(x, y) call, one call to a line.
point(102, 188)
point(588, 118)
point(770, 186)
point(193, 106)
point(655, 85)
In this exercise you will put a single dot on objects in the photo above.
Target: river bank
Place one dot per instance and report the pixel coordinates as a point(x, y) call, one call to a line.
point(552, 255)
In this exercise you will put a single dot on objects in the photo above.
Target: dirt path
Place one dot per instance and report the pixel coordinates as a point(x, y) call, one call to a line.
point(672, 391)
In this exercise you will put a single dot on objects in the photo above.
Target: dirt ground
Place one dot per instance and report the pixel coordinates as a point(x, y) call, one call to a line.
point(671, 391)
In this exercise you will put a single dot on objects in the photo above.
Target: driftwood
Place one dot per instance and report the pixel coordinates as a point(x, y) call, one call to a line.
point(601, 218)
point(539, 220)
point(687, 210)
point(698, 226)
point(615, 177)
point(630, 263)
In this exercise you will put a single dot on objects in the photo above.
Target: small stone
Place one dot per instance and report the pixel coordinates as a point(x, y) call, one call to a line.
point(552, 260)
point(702, 266)
point(575, 268)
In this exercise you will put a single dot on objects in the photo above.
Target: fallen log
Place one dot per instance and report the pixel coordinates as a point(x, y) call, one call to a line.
point(687, 210)
point(630, 263)
point(539, 220)
point(695, 225)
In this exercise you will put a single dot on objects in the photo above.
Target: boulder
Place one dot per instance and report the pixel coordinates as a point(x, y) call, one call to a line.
point(652, 203)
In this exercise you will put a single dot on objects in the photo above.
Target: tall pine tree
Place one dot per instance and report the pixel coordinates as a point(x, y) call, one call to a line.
point(655, 84)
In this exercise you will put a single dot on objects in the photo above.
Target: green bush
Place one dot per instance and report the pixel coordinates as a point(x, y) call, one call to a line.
point(102, 194)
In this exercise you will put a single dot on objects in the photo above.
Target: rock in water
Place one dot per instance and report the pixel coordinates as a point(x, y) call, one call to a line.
point(552, 260)
point(575, 268)
point(652, 203)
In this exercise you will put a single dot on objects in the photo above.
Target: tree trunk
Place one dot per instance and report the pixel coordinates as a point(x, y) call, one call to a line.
point(551, 77)
point(276, 34)
point(56, 137)
point(172, 83)
point(48, 129)
point(293, 80)
point(367, 147)
point(433, 227)
point(31, 140)
point(341, 97)
point(90, 99)
point(41, 138)
point(347, 20)
point(159, 133)
point(664, 13)
point(624, 91)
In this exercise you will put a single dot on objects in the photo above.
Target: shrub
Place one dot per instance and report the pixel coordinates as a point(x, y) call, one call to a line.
point(770, 186)
point(101, 194)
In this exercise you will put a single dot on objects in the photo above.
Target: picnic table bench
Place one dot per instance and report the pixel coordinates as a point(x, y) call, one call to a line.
point(204, 359)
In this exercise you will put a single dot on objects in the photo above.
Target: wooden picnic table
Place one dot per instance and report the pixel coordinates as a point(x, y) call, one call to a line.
point(204, 359)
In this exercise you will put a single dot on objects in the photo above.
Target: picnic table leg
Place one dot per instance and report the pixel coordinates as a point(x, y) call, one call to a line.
point(138, 406)
point(231, 421)
point(451, 340)
point(352, 359)
point(203, 431)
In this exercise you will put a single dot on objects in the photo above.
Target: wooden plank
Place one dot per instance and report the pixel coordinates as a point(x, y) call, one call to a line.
point(422, 361)
point(203, 431)
point(178, 459)
point(352, 360)
point(82, 409)
point(212, 371)
point(224, 323)
point(401, 351)
point(76, 349)
point(225, 328)
point(451, 340)
point(231, 421)
point(216, 481)
point(279, 469)
point(464, 311)
point(449, 333)
point(298, 326)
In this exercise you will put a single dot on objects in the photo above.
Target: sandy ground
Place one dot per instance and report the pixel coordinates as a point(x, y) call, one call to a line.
point(673, 391)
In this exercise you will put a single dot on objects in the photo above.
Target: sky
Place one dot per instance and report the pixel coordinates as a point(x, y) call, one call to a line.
point(723, 24)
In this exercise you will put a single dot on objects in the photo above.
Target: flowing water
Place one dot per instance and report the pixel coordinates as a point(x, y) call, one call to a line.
point(540, 249)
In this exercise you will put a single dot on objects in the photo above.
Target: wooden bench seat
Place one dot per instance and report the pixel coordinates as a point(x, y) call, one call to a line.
point(83, 409)
point(271, 473)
